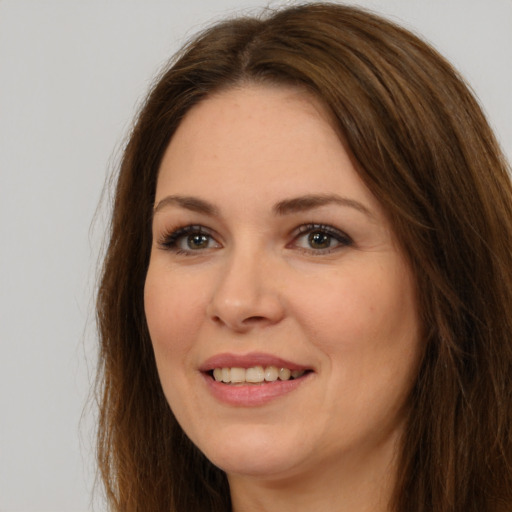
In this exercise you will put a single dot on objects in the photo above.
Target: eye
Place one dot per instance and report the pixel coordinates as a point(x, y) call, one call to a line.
point(188, 239)
point(320, 239)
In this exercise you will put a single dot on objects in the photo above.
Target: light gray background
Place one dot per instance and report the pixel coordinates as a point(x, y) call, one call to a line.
point(71, 76)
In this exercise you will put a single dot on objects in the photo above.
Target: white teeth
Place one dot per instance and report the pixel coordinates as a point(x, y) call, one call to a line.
point(237, 375)
point(284, 373)
point(255, 374)
point(271, 373)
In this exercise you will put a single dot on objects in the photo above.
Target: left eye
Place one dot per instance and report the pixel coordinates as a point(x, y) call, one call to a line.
point(319, 238)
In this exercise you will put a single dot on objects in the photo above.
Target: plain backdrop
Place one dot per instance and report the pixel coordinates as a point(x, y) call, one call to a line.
point(72, 74)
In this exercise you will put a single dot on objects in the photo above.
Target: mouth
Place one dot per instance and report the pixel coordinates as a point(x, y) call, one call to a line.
point(256, 375)
point(252, 379)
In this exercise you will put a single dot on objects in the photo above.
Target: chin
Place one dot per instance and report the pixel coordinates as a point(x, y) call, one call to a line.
point(252, 453)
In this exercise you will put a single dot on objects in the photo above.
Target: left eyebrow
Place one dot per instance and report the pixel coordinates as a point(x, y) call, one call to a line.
point(312, 201)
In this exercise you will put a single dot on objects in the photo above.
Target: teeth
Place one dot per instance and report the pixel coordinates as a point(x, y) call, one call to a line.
point(255, 374)
point(284, 373)
point(271, 373)
point(237, 375)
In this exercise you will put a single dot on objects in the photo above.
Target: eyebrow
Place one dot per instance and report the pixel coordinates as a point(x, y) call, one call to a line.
point(285, 207)
point(312, 201)
point(191, 203)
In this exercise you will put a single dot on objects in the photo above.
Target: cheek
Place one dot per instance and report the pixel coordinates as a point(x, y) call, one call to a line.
point(173, 308)
point(367, 312)
point(365, 324)
point(341, 301)
point(172, 314)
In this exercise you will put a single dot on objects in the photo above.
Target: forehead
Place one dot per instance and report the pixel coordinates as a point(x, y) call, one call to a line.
point(259, 139)
point(252, 116)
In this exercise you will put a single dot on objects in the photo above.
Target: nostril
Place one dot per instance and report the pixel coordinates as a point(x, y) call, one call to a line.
point(254, 319)
point(245, 321)
point(218, 320)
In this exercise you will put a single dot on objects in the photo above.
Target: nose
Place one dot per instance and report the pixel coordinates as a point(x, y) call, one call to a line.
point(247, 293)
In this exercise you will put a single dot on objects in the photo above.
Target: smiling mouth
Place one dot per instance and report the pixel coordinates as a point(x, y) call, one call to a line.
point(255, 375)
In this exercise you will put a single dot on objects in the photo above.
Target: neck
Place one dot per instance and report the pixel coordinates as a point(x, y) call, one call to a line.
point(357, 484)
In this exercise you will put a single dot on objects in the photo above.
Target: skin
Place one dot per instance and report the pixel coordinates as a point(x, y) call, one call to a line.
point(344, 308)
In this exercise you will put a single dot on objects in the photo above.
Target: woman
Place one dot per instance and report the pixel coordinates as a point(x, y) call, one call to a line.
point(306, 298)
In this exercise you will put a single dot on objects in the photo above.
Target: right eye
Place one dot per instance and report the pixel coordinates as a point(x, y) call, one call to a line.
point(188, 240)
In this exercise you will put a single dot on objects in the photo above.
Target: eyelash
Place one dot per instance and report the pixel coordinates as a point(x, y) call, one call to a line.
point(170, 240)
point(309, 229)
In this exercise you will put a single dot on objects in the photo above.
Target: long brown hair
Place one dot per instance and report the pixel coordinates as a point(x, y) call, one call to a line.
point(425, 150)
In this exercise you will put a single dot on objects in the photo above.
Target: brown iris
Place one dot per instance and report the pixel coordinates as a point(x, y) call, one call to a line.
point(197, 241)
point(319, 240)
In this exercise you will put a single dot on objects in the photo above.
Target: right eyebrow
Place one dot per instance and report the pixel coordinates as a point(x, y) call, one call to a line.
point(191, 203)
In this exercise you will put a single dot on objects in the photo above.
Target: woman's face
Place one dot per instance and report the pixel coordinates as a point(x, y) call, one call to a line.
point(271, 259)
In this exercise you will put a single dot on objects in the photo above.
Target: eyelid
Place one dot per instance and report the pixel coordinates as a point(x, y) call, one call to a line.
point(169, 239)
point(341, 237)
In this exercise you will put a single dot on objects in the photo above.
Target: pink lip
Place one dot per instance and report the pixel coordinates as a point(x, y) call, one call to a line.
point(247, 361)
point(250, 395)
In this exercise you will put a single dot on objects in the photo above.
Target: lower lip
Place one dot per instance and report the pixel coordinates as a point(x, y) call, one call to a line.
point(252, 395)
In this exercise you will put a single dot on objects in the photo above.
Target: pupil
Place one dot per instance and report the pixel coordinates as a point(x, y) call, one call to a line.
point(319, 240)
point(197, 241)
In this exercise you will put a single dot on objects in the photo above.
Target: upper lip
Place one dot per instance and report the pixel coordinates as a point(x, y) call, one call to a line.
point(228, 360)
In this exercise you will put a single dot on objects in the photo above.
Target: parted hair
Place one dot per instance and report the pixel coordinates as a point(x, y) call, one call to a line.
point(424, 148)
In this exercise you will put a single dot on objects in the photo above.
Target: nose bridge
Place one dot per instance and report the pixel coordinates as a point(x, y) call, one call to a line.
point(246, 293)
